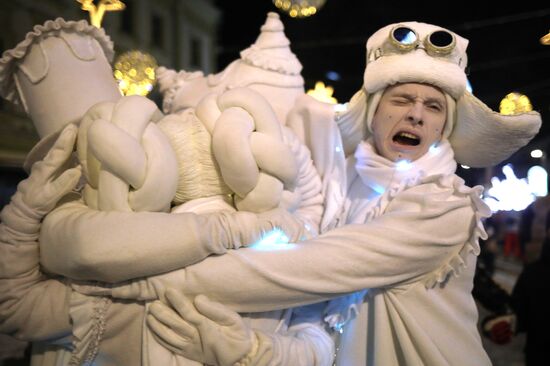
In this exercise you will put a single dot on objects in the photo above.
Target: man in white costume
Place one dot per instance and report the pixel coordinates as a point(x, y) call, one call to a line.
point(411, 246)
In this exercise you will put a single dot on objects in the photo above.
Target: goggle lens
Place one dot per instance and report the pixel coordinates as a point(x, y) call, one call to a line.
point(404, 36)
point(440, 42)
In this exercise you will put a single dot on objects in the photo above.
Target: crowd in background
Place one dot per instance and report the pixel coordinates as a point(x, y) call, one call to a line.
point(519, 239)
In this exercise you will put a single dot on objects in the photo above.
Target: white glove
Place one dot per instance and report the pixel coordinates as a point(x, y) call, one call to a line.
point(202, 330)
point(48, 183)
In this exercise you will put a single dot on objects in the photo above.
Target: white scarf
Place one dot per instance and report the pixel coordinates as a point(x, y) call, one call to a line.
point(381, 174)
point(381, 180)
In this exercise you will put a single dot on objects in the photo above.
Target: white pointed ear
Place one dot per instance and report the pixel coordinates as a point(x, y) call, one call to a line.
point(482, 137)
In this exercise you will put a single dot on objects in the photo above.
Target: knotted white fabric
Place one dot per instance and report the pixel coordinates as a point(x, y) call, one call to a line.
point(247, 142)
point(127, 160)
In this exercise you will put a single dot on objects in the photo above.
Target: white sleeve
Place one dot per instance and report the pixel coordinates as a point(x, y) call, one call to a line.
point(33, 307)
point(421, 230)
point(86, 244)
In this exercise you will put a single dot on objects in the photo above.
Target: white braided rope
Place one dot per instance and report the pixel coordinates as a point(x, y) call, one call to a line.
point(128, 162)
point(248, 145)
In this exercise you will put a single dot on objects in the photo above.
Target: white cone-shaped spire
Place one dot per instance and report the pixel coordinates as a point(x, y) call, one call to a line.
point(271, 51)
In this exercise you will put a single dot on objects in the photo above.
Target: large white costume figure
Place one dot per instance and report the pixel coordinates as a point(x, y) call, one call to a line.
point(129, 165)
point(268, 66)
point(413, 234)
point(413, 239)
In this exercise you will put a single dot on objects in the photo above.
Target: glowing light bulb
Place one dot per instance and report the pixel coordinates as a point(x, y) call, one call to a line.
point(515, 103)
point(402, 165)
point(538, 180)
point(299, 8)
point(537, 153)
point(135, 73)
point(97, 12)
point(275, 239)
point(510, 193)
point(322, 93)
point(434, 149)
point(545, 40)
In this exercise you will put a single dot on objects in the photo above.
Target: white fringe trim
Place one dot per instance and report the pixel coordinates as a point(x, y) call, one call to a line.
point(343, 309)
point(457, 263)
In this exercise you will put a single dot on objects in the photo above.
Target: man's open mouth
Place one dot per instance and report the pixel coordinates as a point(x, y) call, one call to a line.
point(406, 138)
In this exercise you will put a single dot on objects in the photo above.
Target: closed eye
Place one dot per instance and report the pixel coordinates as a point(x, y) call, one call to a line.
point(401, 101)
point(435, 107)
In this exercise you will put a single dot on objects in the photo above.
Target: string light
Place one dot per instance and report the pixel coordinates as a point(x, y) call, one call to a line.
point(545, 40)
point(135, 72)
point(98, 12)
point(515, 103)
point(513, 193)
point(299, 8)
point(275, 239)
point(323, 93)
point(537, 153)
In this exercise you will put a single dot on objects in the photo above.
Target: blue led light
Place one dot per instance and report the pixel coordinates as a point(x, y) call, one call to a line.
point(434, 149)
point(333, 75)
point(275, 239)
point(402, 165)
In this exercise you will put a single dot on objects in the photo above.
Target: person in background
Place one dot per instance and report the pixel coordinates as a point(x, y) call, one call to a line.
point(529, 301)
point(512, 247)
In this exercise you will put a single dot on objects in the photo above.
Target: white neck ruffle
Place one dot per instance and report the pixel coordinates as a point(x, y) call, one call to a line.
point(381, 174)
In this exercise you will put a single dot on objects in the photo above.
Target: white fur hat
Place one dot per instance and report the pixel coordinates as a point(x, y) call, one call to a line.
point(434, 55)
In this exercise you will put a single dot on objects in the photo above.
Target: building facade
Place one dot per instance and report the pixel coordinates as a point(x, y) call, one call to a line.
point(180, 34)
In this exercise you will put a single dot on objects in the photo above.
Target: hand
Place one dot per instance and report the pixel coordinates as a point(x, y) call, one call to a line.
point(202, 330)
point(499, 329)
point(280, 218)
point(48, 183)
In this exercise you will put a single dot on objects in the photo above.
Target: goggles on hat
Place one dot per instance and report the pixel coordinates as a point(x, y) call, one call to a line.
point(403, 39)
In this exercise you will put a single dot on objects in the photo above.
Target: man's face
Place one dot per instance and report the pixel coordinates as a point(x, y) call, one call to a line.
point(409, 119)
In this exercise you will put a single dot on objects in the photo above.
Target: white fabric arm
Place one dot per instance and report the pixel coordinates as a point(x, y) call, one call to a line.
point(85, 244)
point(421, 230)
point(82, 243)
point(32, 306)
